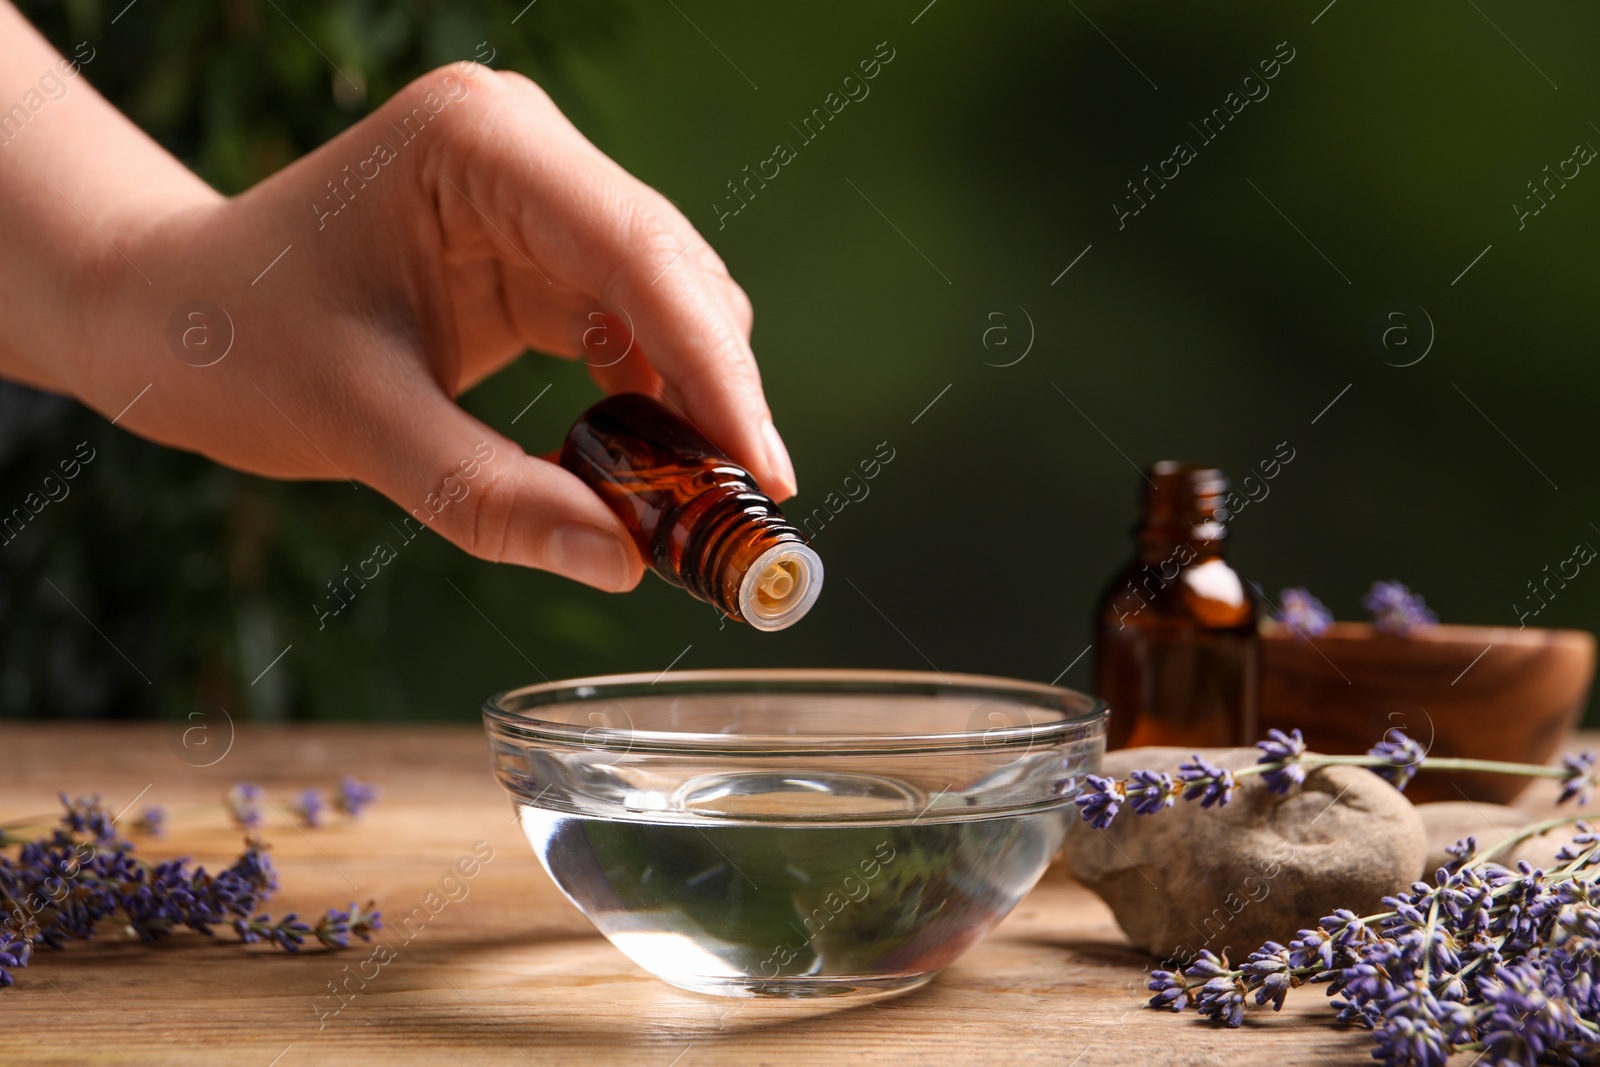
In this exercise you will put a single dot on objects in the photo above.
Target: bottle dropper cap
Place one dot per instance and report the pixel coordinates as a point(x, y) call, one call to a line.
point(780, 586)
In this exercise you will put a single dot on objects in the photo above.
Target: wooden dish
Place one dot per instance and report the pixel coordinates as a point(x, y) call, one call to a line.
point(1475, 691)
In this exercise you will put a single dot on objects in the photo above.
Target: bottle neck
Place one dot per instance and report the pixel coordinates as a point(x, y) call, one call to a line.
point(1183, 509)
point(743, 556)
point(1207, 540)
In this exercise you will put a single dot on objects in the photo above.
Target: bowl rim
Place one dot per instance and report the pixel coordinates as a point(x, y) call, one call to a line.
point(1083, 716)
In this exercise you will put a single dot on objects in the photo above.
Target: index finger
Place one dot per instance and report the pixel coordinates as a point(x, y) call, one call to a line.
point(590, 225)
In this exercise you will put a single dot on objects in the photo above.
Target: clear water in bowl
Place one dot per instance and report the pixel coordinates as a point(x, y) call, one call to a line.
point(784, 884)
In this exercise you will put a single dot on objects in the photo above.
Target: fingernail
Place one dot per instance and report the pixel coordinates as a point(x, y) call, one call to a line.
point(589, 555)
point(778, 460)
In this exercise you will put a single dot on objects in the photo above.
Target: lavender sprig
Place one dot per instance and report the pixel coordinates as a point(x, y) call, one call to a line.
point(1397, 610)
point(1283, 765)
point(289, 933)
point(152, 821)
point(244, 805)
point(1151, 791)
point(1490, 959)
point(1100, 803)
point(1581, 780)
point(354, 797)
point(1401, 757)
point(1503, 962)
point(1283, 750)
point(309, 806)
point(1302, 612)
point(68, 884)
point(335, 928)
point(1206, 782)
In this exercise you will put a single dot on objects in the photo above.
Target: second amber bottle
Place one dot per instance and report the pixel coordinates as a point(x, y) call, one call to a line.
point(1176, 651)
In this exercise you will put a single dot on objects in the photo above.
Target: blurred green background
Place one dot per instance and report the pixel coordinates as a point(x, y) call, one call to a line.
point(908, 254)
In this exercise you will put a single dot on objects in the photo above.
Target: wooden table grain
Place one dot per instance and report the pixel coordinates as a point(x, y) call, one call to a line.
point(500, 968)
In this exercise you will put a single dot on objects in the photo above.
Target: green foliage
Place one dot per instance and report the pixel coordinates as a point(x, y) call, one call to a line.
point(986, 159)
point(192, 577)
point(240, 88)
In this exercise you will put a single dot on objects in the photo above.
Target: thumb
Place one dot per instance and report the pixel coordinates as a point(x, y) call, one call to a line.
point(482, 492)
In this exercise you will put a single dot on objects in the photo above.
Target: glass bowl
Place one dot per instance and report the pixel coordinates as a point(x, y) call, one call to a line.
point(794, 833)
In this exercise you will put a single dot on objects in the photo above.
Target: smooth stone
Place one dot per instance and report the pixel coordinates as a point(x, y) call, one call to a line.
point(1448, 821)
point(1259, 869)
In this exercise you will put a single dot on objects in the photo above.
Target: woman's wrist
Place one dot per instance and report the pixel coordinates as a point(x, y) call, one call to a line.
point(70, 263)
point(104, 323)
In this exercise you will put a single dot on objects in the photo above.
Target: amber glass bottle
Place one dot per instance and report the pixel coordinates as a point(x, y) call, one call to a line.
point(1176, 650)
point(699, 519)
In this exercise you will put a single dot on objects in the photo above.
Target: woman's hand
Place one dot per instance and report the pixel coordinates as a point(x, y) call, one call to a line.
point(320, 324)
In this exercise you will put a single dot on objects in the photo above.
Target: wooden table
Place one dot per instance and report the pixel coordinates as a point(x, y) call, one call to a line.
point(511, 973)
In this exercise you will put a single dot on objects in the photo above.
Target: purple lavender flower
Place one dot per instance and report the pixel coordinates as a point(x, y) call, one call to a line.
point(288, 933)
point(1356, 1013)
point(1100, 802)
point(244, 805)
point(1581, 780)
point(1402, 756)
point(334, 928)
point(255, 868)
point(1150, 791)
point(1170, 990)
point(61, 888)
point(14, 952)
point(354, 796)
point(1524, 1022)
point(1488, 958)
point(1420, 942)
point(1311, 949)
point(1346, 928)
point(309, 806)
point(1271, 966)
point(1581, 843)
point(1207, 965)
point(1363, 982)
point(1222, 999)
point(1286, 748)
point(1396, 609)
point(1303, 612)
point(1460, 853)
point(152, 821)
point(1220, 994)
point(86, 815)
point(1206, 782)
point(1418, 1029)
